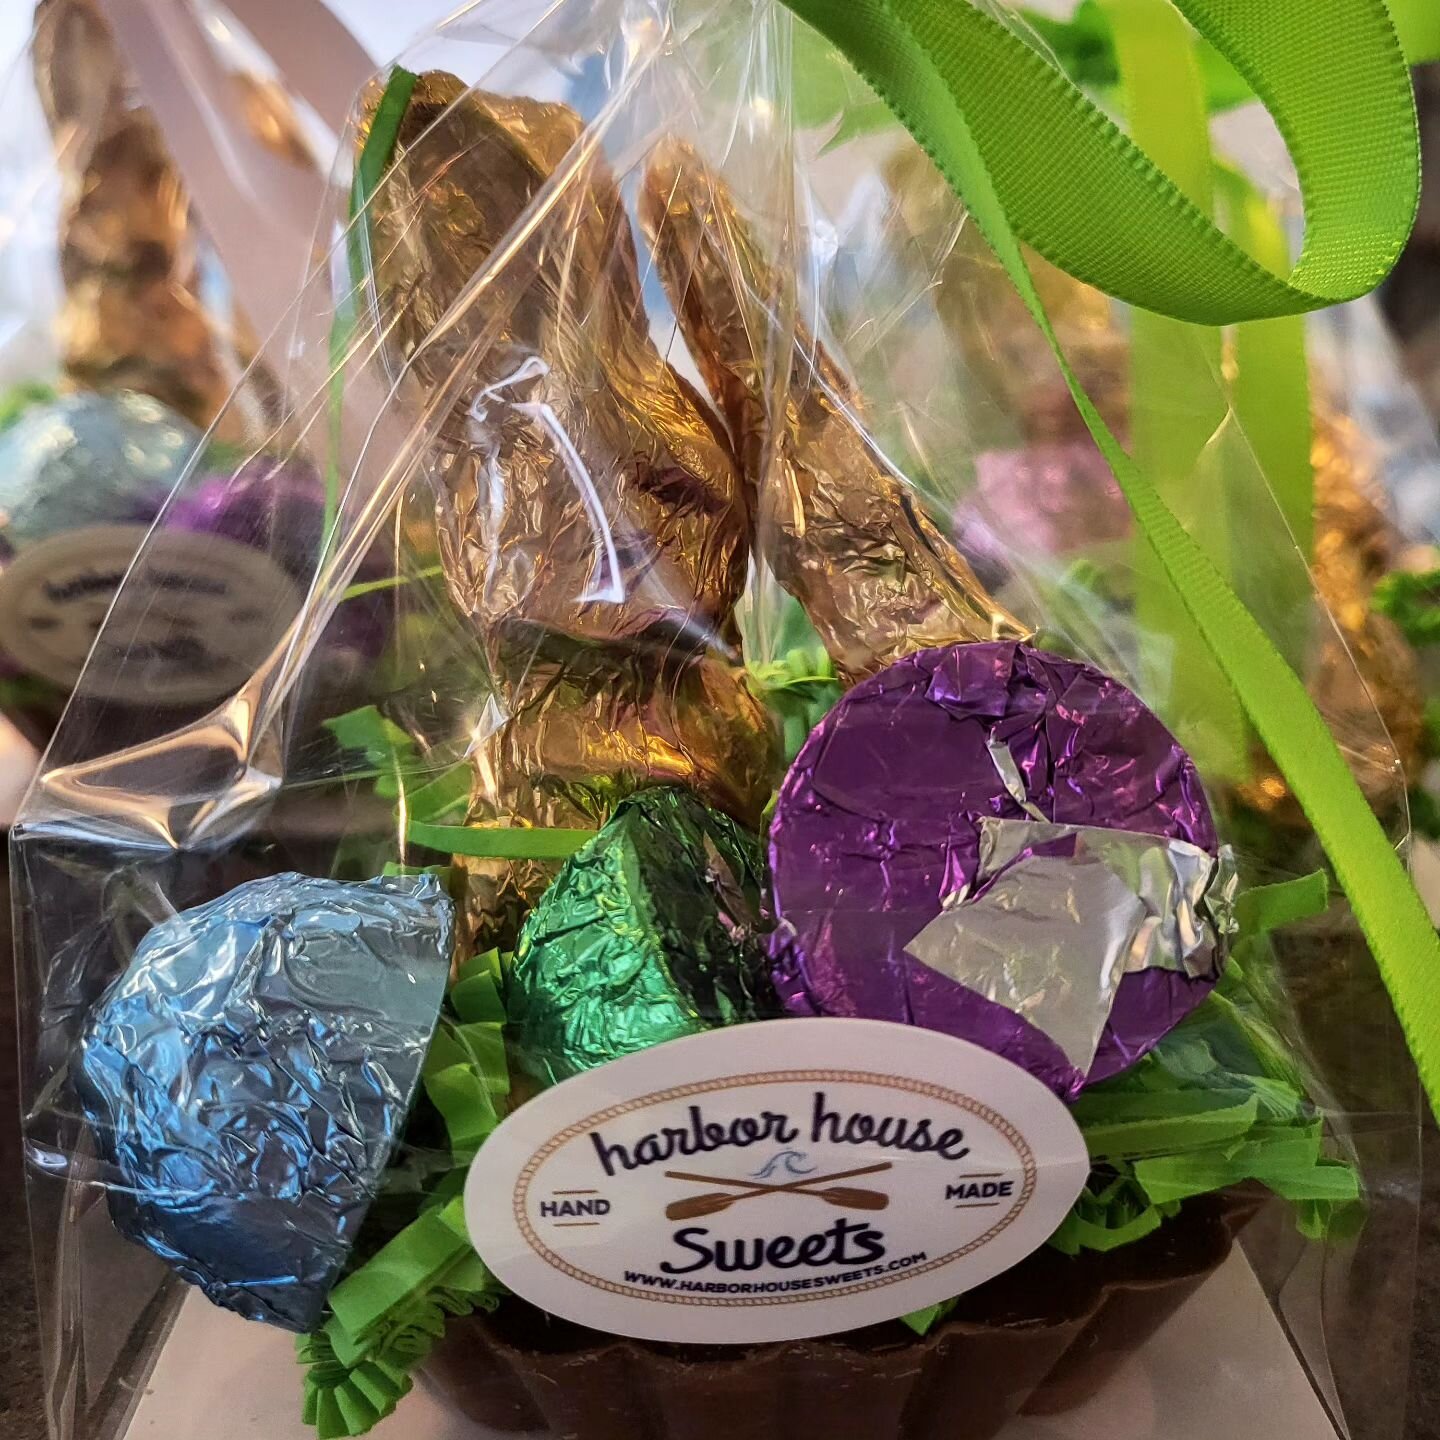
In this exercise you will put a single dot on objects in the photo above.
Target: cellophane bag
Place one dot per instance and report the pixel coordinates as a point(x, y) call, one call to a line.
point(123, 331)
point(770, 939)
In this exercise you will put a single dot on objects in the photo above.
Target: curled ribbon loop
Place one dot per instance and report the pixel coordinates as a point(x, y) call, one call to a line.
point(1085, 196)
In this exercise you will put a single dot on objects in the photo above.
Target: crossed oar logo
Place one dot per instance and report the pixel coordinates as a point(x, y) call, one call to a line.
point(847, 1197)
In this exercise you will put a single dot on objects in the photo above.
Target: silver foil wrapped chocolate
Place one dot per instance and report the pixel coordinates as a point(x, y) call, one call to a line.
point(1060, 914)
point(249, 1074)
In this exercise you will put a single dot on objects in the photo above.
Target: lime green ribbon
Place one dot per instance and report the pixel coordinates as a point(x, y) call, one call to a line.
point(1084, 45)
point(388, 1313)
point(499, 842)
point(1176, 401)
point(375, 157)
point(1036, 161)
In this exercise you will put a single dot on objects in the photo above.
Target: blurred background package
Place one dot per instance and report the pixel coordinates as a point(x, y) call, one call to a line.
point(138, 277)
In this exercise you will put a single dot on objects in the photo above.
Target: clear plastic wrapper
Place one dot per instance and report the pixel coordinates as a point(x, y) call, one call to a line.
point(665, 416)
point(1382, 458)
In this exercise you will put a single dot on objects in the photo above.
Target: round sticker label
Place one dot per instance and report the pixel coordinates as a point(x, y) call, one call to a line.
point(196, 615)
point(773, 1181)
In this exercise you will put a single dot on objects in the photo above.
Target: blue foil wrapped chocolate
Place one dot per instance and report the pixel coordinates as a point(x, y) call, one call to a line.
point(85, 459)
point(250, 1072)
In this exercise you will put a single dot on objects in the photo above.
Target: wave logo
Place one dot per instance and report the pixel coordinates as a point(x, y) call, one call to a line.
point(790, 1162)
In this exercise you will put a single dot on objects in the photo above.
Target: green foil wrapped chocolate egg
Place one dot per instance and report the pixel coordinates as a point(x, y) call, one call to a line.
point(647, 934)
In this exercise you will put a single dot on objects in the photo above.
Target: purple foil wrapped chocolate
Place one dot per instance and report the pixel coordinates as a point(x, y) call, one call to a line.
point(267, 504)
point(278, 508)
point(878, 833)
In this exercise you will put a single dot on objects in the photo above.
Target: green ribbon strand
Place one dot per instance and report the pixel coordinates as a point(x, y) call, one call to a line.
point(375, 156)
point(499, 842)
point(1417, 23)
point(1035, 160)
point(1084, 45)
point(1271, 390)
point(1176, 403)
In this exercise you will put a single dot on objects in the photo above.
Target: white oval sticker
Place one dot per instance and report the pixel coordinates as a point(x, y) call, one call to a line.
point(196, 614)
point(773, 1181)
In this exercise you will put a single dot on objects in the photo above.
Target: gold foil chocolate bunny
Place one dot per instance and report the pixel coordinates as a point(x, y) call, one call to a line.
point(593, 525)
point(132, 316)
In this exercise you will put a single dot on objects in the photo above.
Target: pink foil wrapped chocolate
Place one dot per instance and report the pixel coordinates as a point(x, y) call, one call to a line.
point(1047, 499)
point(1004, 845)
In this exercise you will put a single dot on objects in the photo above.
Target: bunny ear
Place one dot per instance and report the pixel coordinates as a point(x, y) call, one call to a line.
point(259, 206)
point(836, 520)
point(502, 248)
point(724, 291)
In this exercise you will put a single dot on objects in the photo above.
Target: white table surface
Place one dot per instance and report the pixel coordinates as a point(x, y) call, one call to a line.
point(220, 1378)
